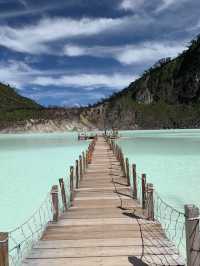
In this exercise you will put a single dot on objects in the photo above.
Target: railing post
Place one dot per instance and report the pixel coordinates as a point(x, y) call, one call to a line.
point(123, 166)
point(192, 235)
point(127, 172)
point(55, 203)
point(83, 156)
point(63, 194)
point(121, 160)
point(71, 184)
point(86, 159)
point(150, 202)
point(143, 191)
point(77, 174)
point(117, 152)
point(4, 256)
point(114, 148)
point(134, 181)
point(81, 166)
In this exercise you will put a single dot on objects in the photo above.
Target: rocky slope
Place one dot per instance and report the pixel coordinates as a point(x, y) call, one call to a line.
point(166, 96)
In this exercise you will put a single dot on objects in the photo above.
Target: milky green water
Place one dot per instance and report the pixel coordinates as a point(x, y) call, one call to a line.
point(171, 160)
point(29, 165)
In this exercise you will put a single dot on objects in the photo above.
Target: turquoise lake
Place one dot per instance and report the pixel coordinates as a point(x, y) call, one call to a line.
point(31, 163)
point(170, 159)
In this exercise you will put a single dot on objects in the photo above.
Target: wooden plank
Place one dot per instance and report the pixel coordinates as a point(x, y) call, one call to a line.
point(160, 242)
point(100, 252)
point(110, 261)
point(102, 188)
point(102, 229)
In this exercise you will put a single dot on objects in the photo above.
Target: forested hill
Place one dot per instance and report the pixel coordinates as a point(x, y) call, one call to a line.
point(11, 100)
point(19, 114)
point(166, 96)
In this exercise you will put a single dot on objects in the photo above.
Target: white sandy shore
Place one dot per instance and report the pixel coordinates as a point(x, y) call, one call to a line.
point(33, 126)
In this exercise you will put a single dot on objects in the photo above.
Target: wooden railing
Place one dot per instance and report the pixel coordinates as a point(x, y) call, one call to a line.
point(185, 225)
point(15, 245)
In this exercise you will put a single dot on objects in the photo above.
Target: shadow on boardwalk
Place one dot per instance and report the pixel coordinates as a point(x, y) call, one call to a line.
point(136, 262)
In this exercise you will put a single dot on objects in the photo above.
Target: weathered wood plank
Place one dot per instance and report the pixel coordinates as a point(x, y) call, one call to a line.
point(158, 242)
point(100, 252)
point(110, 261)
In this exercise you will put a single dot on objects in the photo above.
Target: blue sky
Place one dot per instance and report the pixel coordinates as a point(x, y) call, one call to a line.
point(75, 52)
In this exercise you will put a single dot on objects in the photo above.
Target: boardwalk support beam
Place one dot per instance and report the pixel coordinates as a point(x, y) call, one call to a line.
point(4, 258)
point(71, 184)
point(150, 202)
point(63, 194)
point(134, 181)
point(143, 191)
point(81, 166)
point(77, 174)
point(127, 172)
point(83, 156)
point(55, 203)
point(192, 235)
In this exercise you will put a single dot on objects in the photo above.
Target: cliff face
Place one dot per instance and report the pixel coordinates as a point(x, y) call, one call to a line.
point(166, 96)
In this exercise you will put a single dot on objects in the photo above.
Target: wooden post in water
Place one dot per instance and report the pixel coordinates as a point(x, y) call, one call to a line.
point(81, 166)
point(63, 194)
point(77, 174)
point(143, 191)
point(150, 202)
point(127, 172)
point(192, 235)
point(55, 202)
point(4, 256)
point(134, 181)
point(71, 184)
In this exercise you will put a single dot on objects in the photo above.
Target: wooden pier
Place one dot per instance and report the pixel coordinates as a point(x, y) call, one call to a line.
point(104, 226)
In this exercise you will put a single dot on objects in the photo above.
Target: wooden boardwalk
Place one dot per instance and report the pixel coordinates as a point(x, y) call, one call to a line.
point(105, 226)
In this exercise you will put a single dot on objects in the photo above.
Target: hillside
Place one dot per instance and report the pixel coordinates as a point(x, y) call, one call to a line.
point(19, 114)
point(166, 96)
point(10, 99)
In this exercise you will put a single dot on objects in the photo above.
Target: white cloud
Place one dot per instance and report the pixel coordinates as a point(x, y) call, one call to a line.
point(36, 37)
point(131, 4)
point(168, 3)
point(20, 75)
point(129, 54)
point(87, 81)
point(14, 73)
point(73, 50)
point(149, 52)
